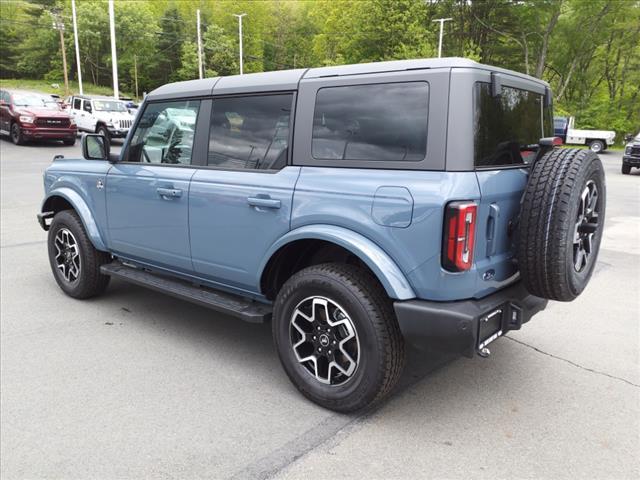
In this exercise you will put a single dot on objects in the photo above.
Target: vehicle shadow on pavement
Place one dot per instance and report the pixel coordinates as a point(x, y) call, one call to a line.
point(247, 345)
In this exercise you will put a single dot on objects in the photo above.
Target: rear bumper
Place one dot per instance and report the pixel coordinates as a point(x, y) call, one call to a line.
point(461, 327)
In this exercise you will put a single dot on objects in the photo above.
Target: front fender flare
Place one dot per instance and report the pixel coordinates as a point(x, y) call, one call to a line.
point(83, 210)
point(385, 269)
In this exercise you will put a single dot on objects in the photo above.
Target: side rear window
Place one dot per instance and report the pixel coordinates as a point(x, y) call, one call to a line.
point(380, 122)
point(251, 132)
point(508, 127)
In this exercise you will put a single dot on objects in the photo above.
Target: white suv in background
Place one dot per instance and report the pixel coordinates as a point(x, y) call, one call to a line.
point(107, 116)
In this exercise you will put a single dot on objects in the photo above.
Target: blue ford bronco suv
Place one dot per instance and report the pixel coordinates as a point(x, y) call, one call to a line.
point(355, 207)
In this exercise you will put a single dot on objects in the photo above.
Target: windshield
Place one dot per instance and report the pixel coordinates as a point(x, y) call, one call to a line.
point(109, 106)
point(33, 100)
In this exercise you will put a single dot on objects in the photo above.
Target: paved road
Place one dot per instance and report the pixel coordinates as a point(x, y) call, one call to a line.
point(138, 385)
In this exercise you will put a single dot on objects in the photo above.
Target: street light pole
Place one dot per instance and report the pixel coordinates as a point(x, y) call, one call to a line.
point(441, 20)
point(240, 36)
point(114, 59)
point(75, 37)
point(59, 25)
point(200, 72)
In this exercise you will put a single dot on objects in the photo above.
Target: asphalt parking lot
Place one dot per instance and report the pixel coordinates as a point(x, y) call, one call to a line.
point(135, 384)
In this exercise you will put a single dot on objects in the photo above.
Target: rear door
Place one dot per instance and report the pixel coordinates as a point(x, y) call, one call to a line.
point(148, 192)
point(507, 128)
point(240, 201)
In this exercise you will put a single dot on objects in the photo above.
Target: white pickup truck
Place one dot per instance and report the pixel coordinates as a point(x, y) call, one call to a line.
point(598, 140)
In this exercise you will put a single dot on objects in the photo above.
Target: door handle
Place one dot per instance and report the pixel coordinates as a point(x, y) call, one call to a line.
point(492, 228)
point(265, 202)
point(169, 192)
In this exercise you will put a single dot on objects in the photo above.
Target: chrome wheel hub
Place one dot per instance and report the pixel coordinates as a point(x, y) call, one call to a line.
point(67, 255)
point(324, 340)
point(586, 226)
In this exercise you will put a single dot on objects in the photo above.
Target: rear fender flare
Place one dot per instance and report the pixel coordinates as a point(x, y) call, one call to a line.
point(382, 265)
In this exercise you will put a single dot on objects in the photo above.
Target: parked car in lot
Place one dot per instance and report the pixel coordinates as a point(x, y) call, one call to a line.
point(106, 116)
point(631, 157)
point(596, 140)
point(26, 116)
point(338, 203)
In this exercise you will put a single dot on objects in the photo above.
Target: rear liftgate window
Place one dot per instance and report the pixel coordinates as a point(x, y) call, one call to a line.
point(508, 127)
point(381, 122)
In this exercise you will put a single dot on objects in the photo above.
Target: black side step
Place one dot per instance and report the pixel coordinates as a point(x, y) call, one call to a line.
point(230, 304)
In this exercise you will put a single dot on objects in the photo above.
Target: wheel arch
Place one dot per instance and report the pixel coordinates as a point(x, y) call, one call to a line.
point(315, 244)
point(67, 199)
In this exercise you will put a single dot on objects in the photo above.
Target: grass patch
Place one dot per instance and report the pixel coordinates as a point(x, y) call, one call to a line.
point(47, 87)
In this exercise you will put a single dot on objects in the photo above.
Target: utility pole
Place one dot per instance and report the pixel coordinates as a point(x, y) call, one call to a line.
point(75, 39)
point(59, 25)
point(441, 20)
point(114, 59)
point(200, 72)
point(135, 73)
point(240, 36)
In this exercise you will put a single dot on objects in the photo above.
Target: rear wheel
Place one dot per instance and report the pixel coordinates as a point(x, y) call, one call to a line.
point(626, 169)
point(16, 134)
point(75, 262)
point(561, 223)
point(597, 146)
point(337, 336)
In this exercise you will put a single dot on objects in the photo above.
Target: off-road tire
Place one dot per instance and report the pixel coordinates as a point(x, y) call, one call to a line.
point(69, 142)
point(547, 225)
point(626, 169)
point(104, 131)
point(16, 134)
point(90, 281)
point(382, 352)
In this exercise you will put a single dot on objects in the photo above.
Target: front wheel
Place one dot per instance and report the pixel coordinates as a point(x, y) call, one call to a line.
point(74, 260)
point(337, 336)
point(69, 141)
point(104, 131)
point(626, 169)
point(16, 134)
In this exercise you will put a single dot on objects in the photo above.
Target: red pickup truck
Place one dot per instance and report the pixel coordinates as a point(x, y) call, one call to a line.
point(32, 116)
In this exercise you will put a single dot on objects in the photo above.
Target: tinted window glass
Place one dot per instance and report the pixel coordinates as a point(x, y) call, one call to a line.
point(508, 127)
point(76, 103)
point(382, 122)
point(250, 132)
point(165, 133)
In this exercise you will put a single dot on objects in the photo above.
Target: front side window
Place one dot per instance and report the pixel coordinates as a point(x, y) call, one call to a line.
point(76, 103)
point(509, 126)
point(381, 122)
point(164, 134)
point(250, 133)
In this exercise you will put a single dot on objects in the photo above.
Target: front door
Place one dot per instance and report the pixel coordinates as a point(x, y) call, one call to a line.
point(240, 204)
point(148, 191)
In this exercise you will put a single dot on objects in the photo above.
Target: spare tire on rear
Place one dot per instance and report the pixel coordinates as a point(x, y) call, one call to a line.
point(561, 223)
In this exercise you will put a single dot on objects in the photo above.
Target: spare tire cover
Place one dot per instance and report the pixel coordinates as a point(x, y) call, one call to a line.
point(561, 223)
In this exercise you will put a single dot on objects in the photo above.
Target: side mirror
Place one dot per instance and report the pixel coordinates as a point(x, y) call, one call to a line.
point(95, 147)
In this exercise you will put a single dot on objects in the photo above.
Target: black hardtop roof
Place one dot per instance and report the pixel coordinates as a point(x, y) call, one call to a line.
point(282, 80)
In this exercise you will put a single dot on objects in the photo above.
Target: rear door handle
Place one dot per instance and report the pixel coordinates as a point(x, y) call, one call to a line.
point(169, 192)
point(492, 228)
point(264, 202)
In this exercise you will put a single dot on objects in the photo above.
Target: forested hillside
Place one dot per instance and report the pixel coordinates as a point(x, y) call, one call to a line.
point(589, 50)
